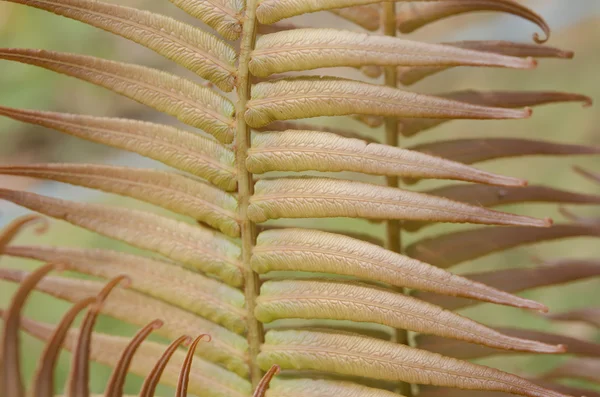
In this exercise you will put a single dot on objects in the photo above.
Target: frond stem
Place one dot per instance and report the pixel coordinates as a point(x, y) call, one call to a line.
point(246, 188)
point(393, 239)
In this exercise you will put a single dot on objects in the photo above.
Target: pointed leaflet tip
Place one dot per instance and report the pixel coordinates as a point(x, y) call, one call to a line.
point(79, 376)
point(261, 389)
point(17, 225)
point(44, 375)
point(153, 378)
point(10, 377)
point(184, 375)
point(117, 379)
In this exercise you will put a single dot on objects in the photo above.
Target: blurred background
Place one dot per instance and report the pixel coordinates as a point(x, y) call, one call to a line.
point(575, 25)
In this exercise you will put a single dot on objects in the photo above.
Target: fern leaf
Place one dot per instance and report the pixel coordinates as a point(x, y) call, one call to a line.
point(206, 379)
point(200, 52)
point(313, 97)
point(162, 280)
point(365, 16)
point(192, 198)
point(316, 251)
point(326, 152)
point(577, 368)
point(306, 49)
point(197, 247)
point(10, 374)
point(323, 388)
point(189, 102)
point(224, 16)
point(467, 351)
point(179, 149)
point(420, 14)
point(361, 356)
point(135, 308)
point(517, 280)
point(588, 315)
point(428, 391)
point(408, 75)
point(324, 197)
point(447, 250)
point(490, 196)
point(354, 302)
point(503, 99)
point(10, 231)
point(470, 151)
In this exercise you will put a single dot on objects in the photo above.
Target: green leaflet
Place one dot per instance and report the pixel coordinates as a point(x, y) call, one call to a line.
point(320, 299)
point(162, 280)
point(186, 151)
point(323, 388)
point(224, 16)
point(368, 357)
point(316, 251)
point(195, 246)
point(324, 197)
point(193, 104)
point(202, 53)
point(307, 97)
point(306, 49)
point(293, 150)
point(174, 192)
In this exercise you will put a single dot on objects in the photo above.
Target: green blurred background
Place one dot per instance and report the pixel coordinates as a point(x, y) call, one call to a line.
point(576, 26)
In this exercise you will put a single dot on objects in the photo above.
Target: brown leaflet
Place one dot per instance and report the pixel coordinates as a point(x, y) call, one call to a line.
point(262, 387)
point(428, 391)
point(500, 99)
point(11, 383)
point(590, 316)
point(153, 377)
point(80, 362)
point(492, 196)
point(450, 249)
point(577, 368)
point(412, 75)
point(413, 16)
point(366, 17)
point(516, 280)
point(469, 351)
point(44, 375)
point(9, 232)
point(592, 176)
point(470, 151)
point(184, 375)
point(116, 382)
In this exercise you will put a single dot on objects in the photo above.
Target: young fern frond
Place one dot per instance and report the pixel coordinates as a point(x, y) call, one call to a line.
point(273, 296)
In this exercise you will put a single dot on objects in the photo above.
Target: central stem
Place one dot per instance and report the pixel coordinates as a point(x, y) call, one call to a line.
point(393, 239)
point(246, 189)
